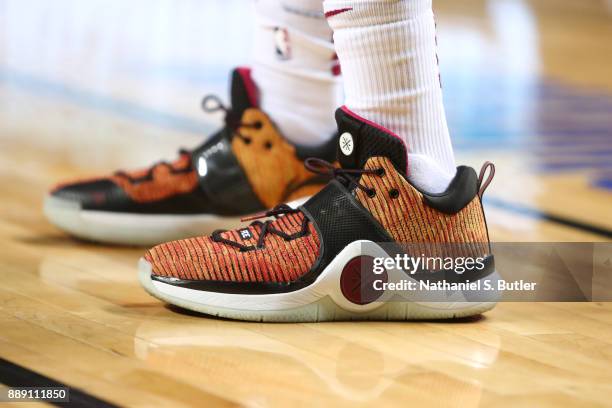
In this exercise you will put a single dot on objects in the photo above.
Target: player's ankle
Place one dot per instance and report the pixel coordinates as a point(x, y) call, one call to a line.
point(428, 175)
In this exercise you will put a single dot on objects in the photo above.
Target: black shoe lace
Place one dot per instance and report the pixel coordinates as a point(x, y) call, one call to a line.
point(149, 174)
point(315, 165)
point(348, 177)
point(265, 228)
point(210, 104)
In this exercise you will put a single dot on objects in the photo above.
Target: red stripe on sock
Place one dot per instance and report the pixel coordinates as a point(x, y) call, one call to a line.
point(251, 88)
point(338, 11)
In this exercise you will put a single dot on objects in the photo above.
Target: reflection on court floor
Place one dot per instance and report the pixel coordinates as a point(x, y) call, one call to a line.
point(90, 86)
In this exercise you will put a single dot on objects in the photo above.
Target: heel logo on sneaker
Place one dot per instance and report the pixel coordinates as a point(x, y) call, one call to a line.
point(346, 144)
point(357, 281)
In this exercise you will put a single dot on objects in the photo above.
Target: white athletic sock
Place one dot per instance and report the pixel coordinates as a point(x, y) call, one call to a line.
point(387, 50)
point(296, 69)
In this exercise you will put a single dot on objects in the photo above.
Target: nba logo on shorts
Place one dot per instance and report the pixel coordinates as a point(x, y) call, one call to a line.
point(283, 47)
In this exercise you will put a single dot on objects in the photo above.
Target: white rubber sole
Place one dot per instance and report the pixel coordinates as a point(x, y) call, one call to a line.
point(133, 229)
point(321, 301)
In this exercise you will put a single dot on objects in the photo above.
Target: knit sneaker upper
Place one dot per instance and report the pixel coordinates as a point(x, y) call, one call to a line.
point(369, 199)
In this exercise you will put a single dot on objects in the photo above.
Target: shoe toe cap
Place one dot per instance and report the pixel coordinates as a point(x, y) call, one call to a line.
point(183, 259)
point(89, 194)
point(203, 259)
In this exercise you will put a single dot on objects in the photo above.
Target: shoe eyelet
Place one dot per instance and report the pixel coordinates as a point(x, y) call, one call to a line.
point(371, 193)
point(394, 193)
point(247, 140)
point(268, 145)
point(258, 124)
point(381, 172)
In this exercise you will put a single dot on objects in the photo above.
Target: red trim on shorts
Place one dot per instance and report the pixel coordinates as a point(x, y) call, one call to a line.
point(338, 11)
point(336, 70)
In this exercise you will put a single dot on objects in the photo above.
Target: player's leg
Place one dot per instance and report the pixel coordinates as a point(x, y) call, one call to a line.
point(387, 50)
point(278, 114)
point(296, 69)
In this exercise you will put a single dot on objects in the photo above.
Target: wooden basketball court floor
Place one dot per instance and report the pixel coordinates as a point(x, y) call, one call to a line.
point(90, 86)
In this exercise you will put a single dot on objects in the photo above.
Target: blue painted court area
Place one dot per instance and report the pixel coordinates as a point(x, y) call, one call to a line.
point(567, 127)
point(104, 103)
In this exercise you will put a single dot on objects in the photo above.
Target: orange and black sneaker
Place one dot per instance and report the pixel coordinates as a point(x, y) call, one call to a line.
point(246, 167)
point(369, 245)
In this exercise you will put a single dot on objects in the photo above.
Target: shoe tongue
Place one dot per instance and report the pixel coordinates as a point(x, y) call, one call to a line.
point(243, 91)
point(361, 139)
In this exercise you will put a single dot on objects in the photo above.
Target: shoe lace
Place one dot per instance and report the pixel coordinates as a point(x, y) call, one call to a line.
point(210, 104)
point(266, 228)
point(348, 177)
point(150, 171)
point(315, 165)
point(233, 121)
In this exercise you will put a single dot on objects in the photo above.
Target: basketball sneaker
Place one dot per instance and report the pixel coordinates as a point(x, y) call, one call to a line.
point(234, 173)
point(316, 262)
